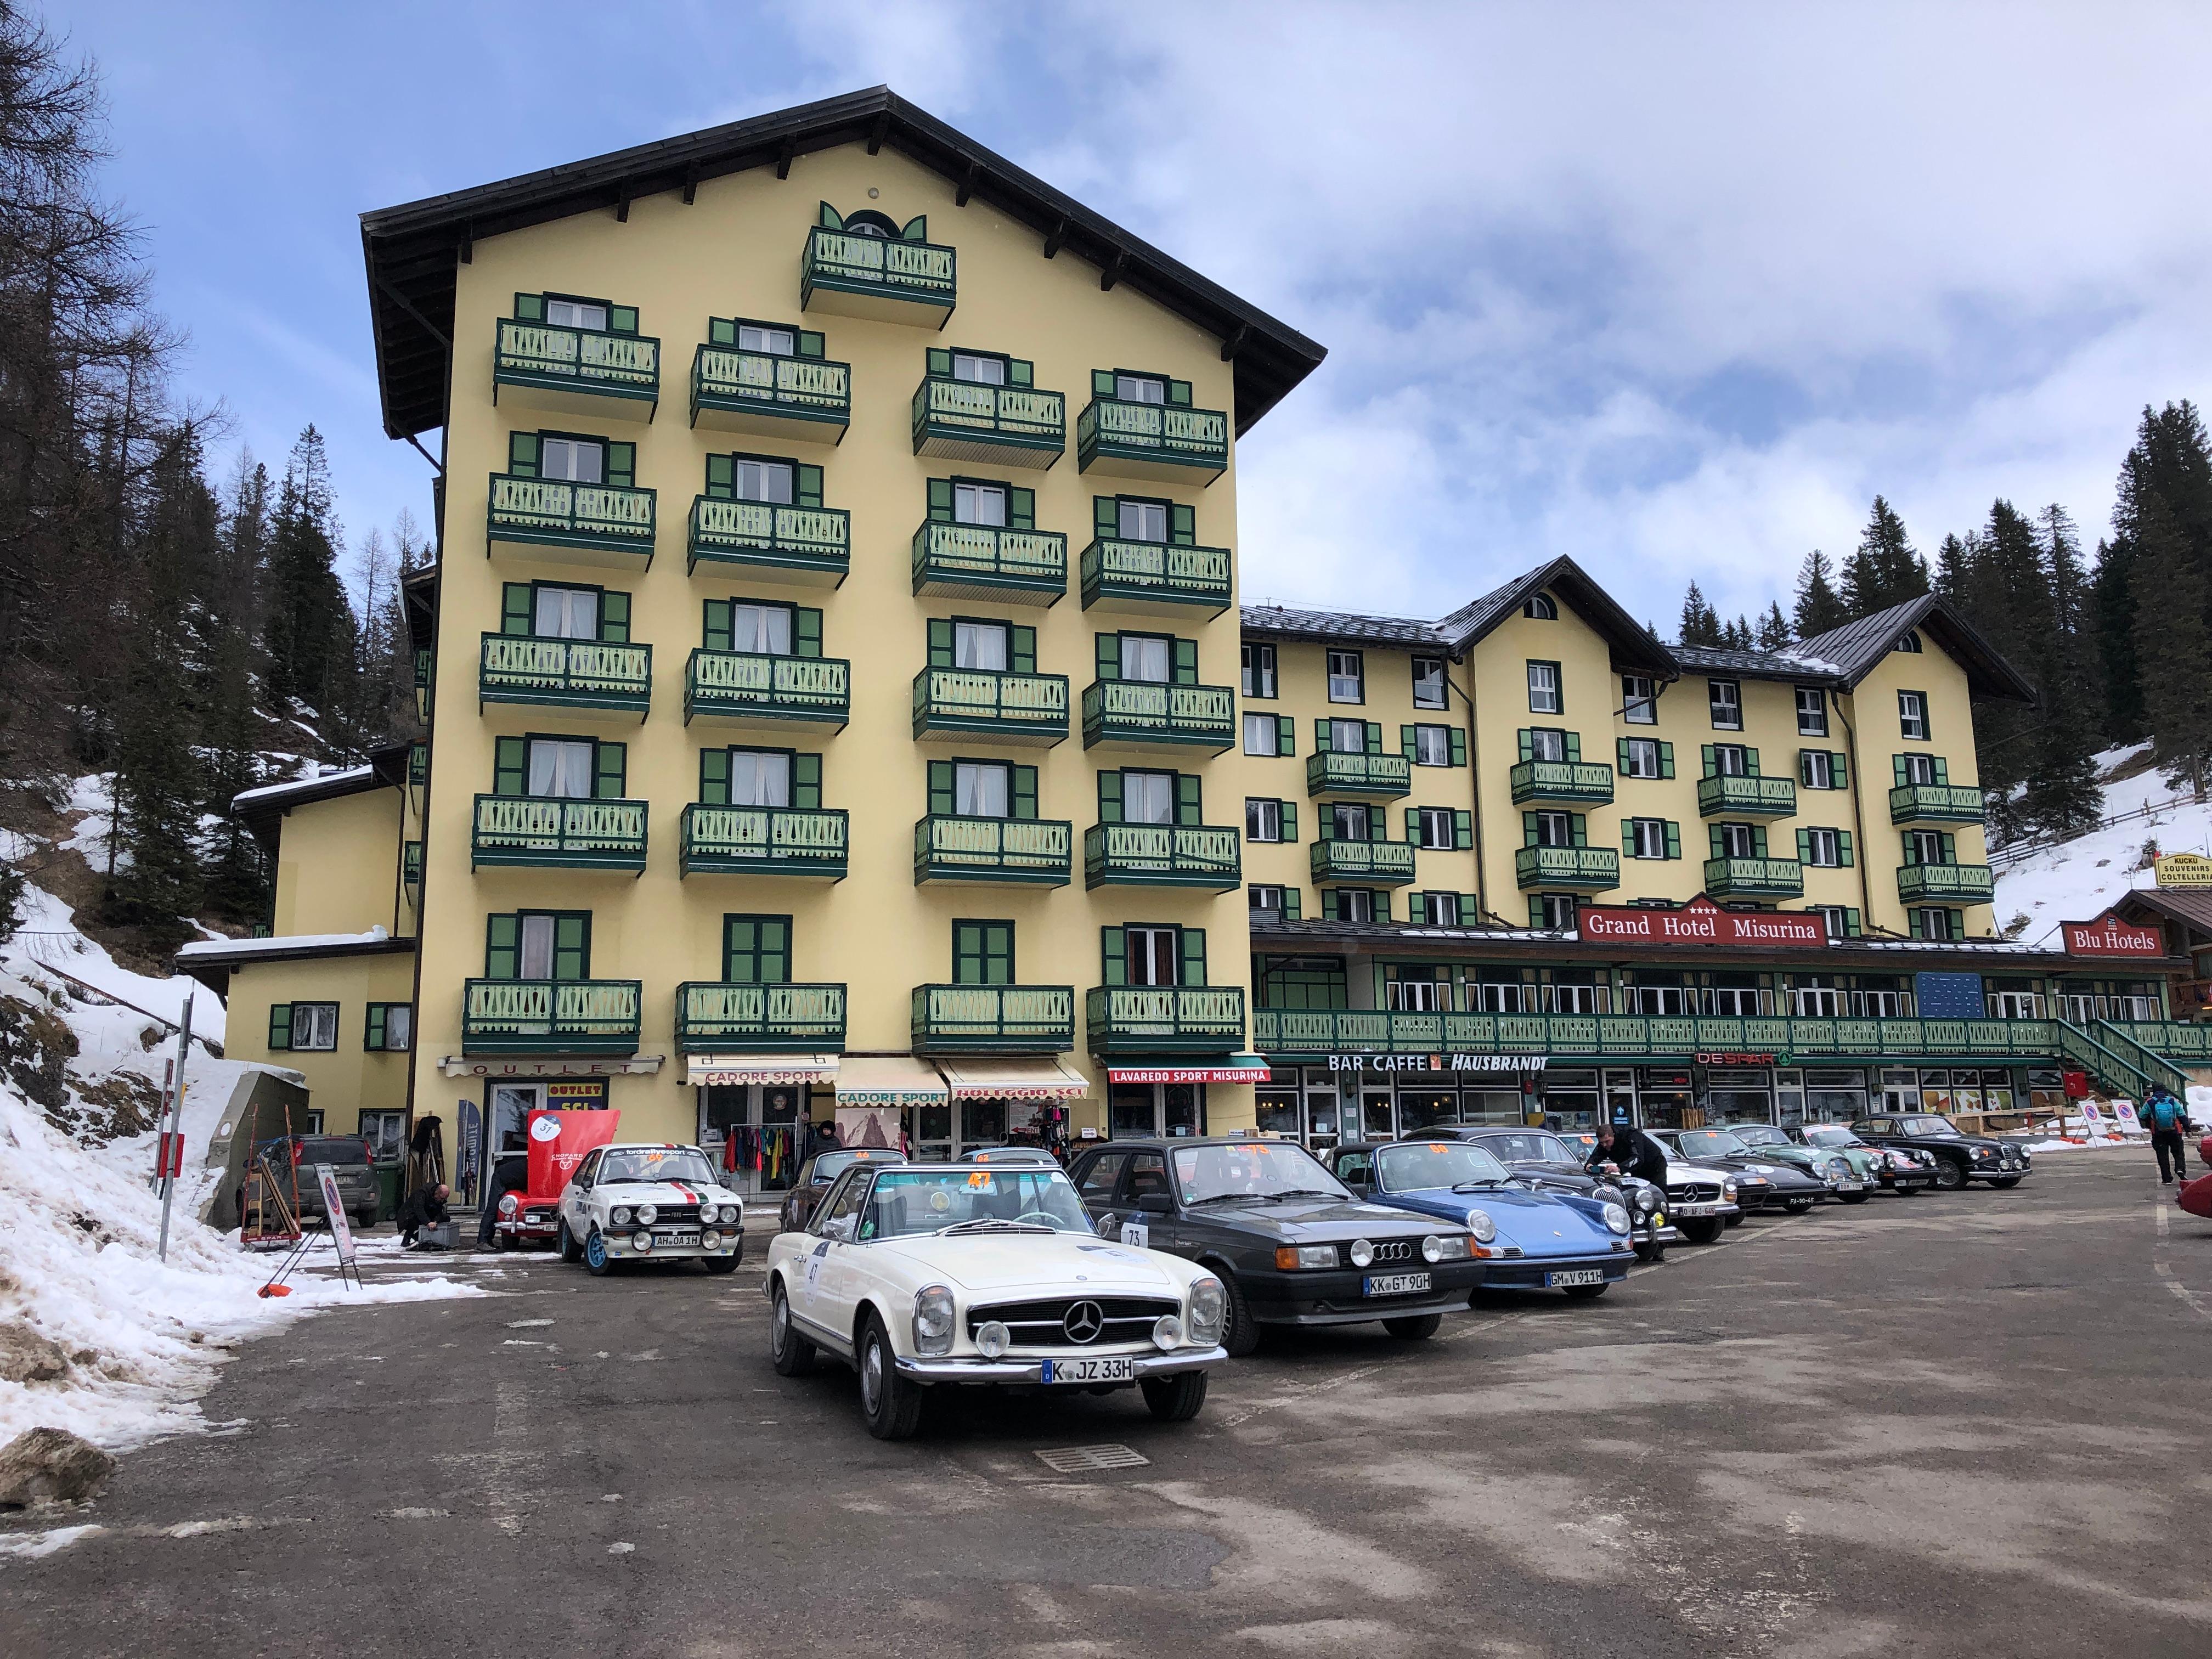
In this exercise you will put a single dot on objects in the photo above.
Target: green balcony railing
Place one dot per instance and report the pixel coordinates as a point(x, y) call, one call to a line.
point(1589, 782)
point(1004, 425)
point(1587, 869)
point(565, 673)
point(1163, 855)
point(986, 562)
point(807, 541)
point(1154, 576)
point(1332, 772)
point(1026, 709)
point(550, 1017)
point(1165, 1019)
point(763, 840)
point(1936, 802)
point(1754, 877)
point(425, 667)
point(1747, 797)
point(1164, 442)
point(2171, 1038)
point(410, 864)
point(804, 397)
point(1385, 863)
point(547, 832)
point(1143, 712)
point(1919, 883)
point(583, 517)
point(580, 363)
point(947, 848)
point(890, 279)
point(418, 765)
point(752, 685)
point(976, 1019)
point(717, 1018)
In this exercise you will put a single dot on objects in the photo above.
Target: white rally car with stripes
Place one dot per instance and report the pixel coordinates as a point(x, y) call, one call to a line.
point(650, 1201)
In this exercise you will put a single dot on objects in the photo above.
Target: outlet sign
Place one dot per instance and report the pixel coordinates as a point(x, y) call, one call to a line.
point(2108, 936)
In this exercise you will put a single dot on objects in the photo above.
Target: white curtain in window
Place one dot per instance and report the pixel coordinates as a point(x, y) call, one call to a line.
point(538, 947)
point(568, 613)
point(761, 628)
point(980, 645)
point(983, 504)
point(984, 371)
point(1147, 797)
point(778, 341)
point(979, 791)
point(568, 314)
point(759, 779)
point(1348, 737)
point(570, 459)
point(561, 767)
point(1144, 658)
point(1139, 389)
point(398, 1026)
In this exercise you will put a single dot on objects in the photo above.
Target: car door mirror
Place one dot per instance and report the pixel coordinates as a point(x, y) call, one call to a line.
point(1156, 1204)
point(838, 1227)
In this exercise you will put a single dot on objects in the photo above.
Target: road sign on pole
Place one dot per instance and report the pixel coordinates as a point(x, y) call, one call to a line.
point(176, 1123)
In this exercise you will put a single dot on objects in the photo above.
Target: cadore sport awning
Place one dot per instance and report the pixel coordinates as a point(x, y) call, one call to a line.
point(1237, 1068)
point(723, 1071)
point(889, 1080)
point(1040, 1078)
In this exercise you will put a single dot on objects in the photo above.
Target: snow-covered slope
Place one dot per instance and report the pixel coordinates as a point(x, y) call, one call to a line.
point(2077, 880)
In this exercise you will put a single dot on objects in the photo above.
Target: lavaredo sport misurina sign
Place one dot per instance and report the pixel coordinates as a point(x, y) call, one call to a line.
point(1699, 922)
point(2108, 936)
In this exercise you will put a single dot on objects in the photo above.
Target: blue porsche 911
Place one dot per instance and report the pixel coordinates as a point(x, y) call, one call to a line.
point(1527, 1240)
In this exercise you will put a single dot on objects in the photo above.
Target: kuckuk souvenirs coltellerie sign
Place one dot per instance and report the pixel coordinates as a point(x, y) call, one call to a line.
point(2108, 936)
point(1699, 922)
point(2183, 870)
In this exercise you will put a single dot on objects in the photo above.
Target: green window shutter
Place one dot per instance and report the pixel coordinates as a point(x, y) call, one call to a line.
point(1109, 797)
point(1021, 508)
point(830, 218)
point(940, 789)
point(1183, 526)
point(1287, 735)
point(1574, 747)
point(529, 308)
point(721, 483)
point(1528, 829)
point(1328, 904)
point(1666, 760)
point(1751, 762)
point(940, 501)
point(514, 608)
point(940, 361)
point(1185, 662)
point(1321, 736)
point(1470, 908)
point(1897, 767)
point(280, 1025)
point(1913, 917)
point(1628, 838)
point(614, 618)
point(622, 466)
point(1102, 382)
point(1021, 654)
point(1910, 856)
point(1950, 847)
point(621, 319)
point(1582, 828)
point(1193, 956)
point(1463, 831)
point(522, 454)
point(1108, 655)
point(1710, 766)
point(1528, 743)
point(805, 631)
point(1852, 923)
point(1843, 847)
point(1942, 770)
point(940, 642)
point(1413, 826)
point(1620, 755)
point(372, 1035)
point(1020, 372)
point(1290, 897)
point(571, 947)
point(713, 777)
point(510, 767)
point(1105, 517)
point(1535, 910)
point(721, 331)
point(1417, 908)
point(611, 762)
point(1290, 821)
point(717, 636)
point(1374, 737)
point(502, 947)
point(1024, 801)
point(1714, 831)
point(1458, 746)
point(1838, 774)
point(1383, 905)
point(1179, 393)
point(811, 343)
point(1759, 841)
point(1804, 846)
point(1408, 746)
point(806, 782)
point(807, 490)
point(1190, 807)
point(1114, 954)
point(1673, 839)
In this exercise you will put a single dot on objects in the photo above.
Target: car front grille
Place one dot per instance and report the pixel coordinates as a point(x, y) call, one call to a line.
point(673, 1215)
point(1043, 1324)
point(1696, 1191)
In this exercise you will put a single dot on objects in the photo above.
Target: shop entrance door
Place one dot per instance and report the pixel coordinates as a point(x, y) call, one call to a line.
point(511, 1106)
point(1665, 1100)
point(1155, 1109)
point(1323, 1129)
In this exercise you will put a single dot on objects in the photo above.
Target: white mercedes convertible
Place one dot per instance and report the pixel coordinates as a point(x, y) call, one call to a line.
point(922, 1276)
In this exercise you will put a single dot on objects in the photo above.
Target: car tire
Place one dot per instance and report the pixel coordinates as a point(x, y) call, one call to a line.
point(1654, 1255)
point(1735, 1220)
point(364, 1220)
point(889, 1404)
point(595, 1259)
point(1704, 1229)
point(565, 1242)
point(718, 1264)
point(1950, 1175)
point(791, 1354)
point(2003, 1184)
point(1414, 1328)
point(1853, 1198)
point(1175, 1399)
point(1799, 1206)
point(1240, 1332)
point(1585, 1292)
point(1908, 1192)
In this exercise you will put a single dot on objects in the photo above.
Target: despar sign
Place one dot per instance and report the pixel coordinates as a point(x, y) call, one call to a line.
point(558, 1141)
point(1699, 922)
point(2108, 936)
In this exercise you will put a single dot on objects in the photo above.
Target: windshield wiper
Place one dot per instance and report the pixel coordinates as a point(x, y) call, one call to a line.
point(1222, 1198)
point(992, 1223)
point(1478, 1186)
point(1299, 1191)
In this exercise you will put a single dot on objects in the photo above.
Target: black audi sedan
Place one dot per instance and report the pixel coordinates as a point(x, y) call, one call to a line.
point(1290, 1241)
point(1959, 1158)
point(1762, 1183)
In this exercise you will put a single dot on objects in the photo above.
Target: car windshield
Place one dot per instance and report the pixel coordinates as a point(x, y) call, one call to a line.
point(828, 1164)
point(1710, 1143)
point(1528, 1146)
point(337, 1149)
point(910, 1202)
point(657, 1163)
point(1252, 1169)
point(1760, 1134)
point(1830, 1138)
point(1930, 1126)
point(1435, 1163)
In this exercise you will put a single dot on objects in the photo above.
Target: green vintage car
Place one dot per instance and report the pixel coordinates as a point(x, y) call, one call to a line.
point(1853, 1174)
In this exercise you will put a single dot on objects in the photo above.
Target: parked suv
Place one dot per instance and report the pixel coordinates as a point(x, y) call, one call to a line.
point(349, 1158)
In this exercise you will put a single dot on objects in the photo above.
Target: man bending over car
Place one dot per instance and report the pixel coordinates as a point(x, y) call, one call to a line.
point(1631, 1151)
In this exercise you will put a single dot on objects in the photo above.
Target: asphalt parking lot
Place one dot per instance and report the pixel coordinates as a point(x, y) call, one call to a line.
point(1967, 1424)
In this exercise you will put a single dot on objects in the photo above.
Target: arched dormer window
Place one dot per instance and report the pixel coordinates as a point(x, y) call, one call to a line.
point(869, 222)
point(1908, 640)
point(1542, 607)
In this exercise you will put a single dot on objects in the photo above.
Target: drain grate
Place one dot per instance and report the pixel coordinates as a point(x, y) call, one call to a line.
point(1086, 1460)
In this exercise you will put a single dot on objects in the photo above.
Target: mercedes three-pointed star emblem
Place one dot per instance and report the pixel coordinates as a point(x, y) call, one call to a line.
point(1083, 1322)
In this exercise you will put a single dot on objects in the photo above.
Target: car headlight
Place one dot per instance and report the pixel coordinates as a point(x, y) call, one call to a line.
point(710, 1240)
point(1647, 1198)
point(1208, 1303)
point(619, 1215)
point(1289, 1258)
point(733, 1214)
point(641, 1241)
point(1616, 1217)
point(1479, 1223)
point(1432, 1249)
point(933, 1319)
point(1167, 1332)
point(508, 1205)
point(646, 1214)
point(1362, 1253)
point(991, 1338)
point(1983, 1152)
point(1728, 1189)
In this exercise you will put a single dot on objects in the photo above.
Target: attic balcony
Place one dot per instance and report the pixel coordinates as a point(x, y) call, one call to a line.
point(1167, 443)
point(586, 676)
point(1747, 797)
point(1333, 772)
point(982, 705)
point(885, 279)
point(1755, 878)
point(558, 833)
point(550, 1017)
point(1155, 579)
point(1576, 869)
point(1936, 802)
point(717, 1018)
point(593, 373)
point(1012, 426)
point(1163, 855)
point(1583, 783)
point(805, 546)
point(580, 524)
point(1030, 852)
point(1144, 714)
point(766, 693)
point(989, 561)
point(1365, 863)
point(1165, 1019)
point(809, 843)
point(993, 1019)
point(1954, 883)
point(805, 400)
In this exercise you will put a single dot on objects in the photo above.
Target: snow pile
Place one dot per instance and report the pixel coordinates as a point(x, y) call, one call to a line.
point(2077, 880)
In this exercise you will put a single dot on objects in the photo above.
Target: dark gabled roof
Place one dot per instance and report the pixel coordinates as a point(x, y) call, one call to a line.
point(1280, 622)
point(1856, 647)
point(262, 811)
point(1632, 644)
point(2173, 904)
point(1793, 663)
point(412, 250)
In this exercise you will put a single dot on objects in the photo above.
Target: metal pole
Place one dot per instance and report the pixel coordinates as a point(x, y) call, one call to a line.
point(176, 1119)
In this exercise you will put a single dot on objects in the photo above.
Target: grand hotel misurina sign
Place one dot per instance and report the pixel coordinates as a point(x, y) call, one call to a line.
point(1700, 922)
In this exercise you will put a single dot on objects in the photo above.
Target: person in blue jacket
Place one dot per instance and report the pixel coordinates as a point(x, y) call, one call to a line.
point(2166, 1118)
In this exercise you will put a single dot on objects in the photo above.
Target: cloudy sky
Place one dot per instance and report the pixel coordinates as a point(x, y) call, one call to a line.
point(1674, 289)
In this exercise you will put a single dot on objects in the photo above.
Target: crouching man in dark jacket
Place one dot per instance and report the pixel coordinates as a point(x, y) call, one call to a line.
point(425, 1207)
point(1632, 1151)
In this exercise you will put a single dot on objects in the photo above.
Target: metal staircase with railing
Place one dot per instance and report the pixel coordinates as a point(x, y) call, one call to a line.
point(2154, 1067)
point(2118, 1075)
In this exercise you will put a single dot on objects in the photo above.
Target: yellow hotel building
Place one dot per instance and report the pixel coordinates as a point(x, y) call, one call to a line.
point(842, 714)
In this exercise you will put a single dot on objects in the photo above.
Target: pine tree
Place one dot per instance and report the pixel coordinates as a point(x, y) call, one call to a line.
point(2172, 642)
point(1886, 570)
point(1737, 635)
point(2008, 596)
point(1954, 561)
point(2170, 465)
point(2061, 796)
point(1701, 624)
point(237, 883)
point(1773, 629)
point(1819, 606)
point(309, 626)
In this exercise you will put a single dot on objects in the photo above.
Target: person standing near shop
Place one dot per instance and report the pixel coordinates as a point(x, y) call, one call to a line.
point(2167, 1118)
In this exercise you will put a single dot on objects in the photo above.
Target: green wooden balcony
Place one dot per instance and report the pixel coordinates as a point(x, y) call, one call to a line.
point(1584, 782)
point(1026, 711)
point(576, 371)
point(763, 841)
point(1030, 851)
point(1141, 714)
point(1165, 1019)
point(1333, 773)
point(885, 279)
point(753, 688)
point(716, 1017)
point(806, 546)
point(800, 399)
point(1747, 797)
point(1957, 884)
point(1581, 869)
point(1016, 426)
point(425, 667)
point(1367, 863)
point(993, 1019)
point(583, 524)
point(1165, 442)
point(556, 833)
point(986, 561)
point(587, 676)
point(410, 864)
point(1163, 855)
point(1155, 579)
point(1936, 802)
point(550, 1017)
point(1755, 878)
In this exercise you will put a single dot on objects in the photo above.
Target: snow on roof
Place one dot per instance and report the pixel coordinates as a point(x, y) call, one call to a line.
point(270, 791)
point(246, 949)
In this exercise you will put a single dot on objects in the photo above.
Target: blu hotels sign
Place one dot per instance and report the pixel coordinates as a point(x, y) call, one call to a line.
point(1700, 922)
point(2108, 936)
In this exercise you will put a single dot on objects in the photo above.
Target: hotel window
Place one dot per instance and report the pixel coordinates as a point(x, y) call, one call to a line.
point(979, 504)
point(1811, 712)
point(1346, 677)
point(1153, 955)
point(312, 1027)
point(1822, 848)
point(980, 369)
point(761, 777)
point(769, 482)
point(1355, 904)
point(1441, 910)
point(1350, 820)
point(1428, 682)
point(1347, 737)
point(1499, 996)
point(1434, 827)
point(982, 953)
point(1736, 996)
point(739, 625)
point(1259, 670)
point(1145, 658)
point(1266, 904)
point(1726, 698)
point(1264, 820)
point(576, 313)
point(1731, 760)
point(1734, 840)
point(1918, 768)
point(1907, 641)
point(980, 645)
point(1639, 699)
point(391, 1027)
point(1541, 607)
point(1433, 745)
point(1417, 996)
point(1268, 734)
point(1929, 846)
point(1654, 838)
point(775, 342)
point(1543, 688)
point(1554, 912)
point(1550, 828)
point(559, 768)
point(1912, 715)
point(1840, 921)
point(1646, 758)
point(1148, 797)
point(1141, 521)
point(1140, 388)
point(1817, 768)
point(979, 789)
point(1932, 922)
point(1587, 997)
point(1646, 997)
point(1546, 743)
